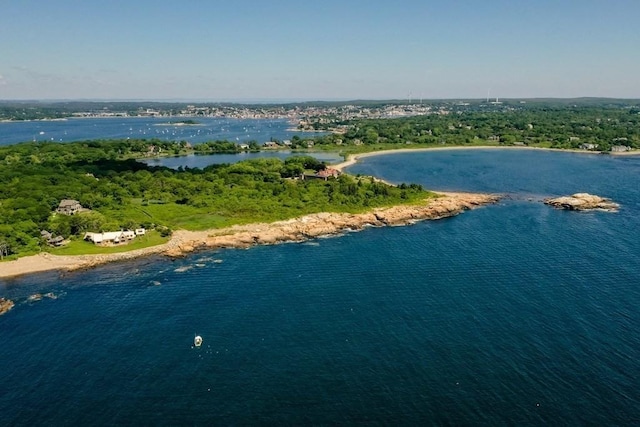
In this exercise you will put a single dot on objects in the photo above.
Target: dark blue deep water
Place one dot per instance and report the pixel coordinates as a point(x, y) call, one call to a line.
point(512, 314)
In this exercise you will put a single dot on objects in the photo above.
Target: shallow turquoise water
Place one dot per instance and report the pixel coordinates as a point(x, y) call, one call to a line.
point(510, 314)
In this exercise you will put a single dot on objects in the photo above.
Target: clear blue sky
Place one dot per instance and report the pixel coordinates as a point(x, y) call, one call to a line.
point(329, 49)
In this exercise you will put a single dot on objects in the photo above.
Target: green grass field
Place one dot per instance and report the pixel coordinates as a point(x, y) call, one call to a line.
point(82, 247)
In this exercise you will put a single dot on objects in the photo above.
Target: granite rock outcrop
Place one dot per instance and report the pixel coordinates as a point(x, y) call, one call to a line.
point(244, 236)
point(5, 305)
point(325, 224)
point(582, 202)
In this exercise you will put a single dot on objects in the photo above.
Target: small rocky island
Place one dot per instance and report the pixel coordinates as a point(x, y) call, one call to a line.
point(582, 202)
point(5, 305)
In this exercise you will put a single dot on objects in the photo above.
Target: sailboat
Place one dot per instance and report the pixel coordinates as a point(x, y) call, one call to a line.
point(197, 341)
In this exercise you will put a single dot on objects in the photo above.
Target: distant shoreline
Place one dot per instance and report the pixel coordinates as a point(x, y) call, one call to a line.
point(352, 159)
point(177, 124)
point(307, 130)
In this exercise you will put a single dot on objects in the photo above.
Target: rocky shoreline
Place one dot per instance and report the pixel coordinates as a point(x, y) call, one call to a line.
point(5, 305)
point(582, 202)
point(324, 224)
point(244, 236)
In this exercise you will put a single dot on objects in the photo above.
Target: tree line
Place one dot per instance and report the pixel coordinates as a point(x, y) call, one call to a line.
point(123, 193)
point(555, 127)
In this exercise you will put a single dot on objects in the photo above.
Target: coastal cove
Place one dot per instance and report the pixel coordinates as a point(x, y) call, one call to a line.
point(282, 231)
point(366, 214)
point(354, 158)
point(512, 313)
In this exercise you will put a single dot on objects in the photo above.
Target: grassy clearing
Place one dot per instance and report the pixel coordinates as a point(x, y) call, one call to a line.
point(82, 247)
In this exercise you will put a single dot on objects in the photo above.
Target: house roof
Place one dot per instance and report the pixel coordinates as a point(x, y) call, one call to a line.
point(325, 173)
point(109, 236)
point(68, 203)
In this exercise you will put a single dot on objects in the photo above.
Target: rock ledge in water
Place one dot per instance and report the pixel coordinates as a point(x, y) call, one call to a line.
point(5, 305)
point(582, 202)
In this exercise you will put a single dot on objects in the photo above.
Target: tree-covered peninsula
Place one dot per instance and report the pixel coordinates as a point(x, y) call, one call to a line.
point(111, 190)
point(592, 128)
point(116, 192)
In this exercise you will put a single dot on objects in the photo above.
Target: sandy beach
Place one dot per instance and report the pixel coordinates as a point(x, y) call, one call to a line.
point(244, 236)
point(353, 158)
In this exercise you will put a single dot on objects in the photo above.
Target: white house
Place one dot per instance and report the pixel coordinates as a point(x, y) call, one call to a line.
point(110, 236)
point(620, 148)
point(127, 235)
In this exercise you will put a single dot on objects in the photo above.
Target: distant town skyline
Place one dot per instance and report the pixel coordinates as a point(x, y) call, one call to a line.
point(289, 50)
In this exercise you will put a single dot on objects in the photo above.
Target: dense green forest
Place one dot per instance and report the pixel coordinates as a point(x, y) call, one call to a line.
point(123, 193)
point(556, 127)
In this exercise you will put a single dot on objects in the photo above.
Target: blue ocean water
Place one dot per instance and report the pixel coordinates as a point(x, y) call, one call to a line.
point(515, 313)
point(208, 129)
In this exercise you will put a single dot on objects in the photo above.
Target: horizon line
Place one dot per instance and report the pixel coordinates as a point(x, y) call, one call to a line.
point(302, 100)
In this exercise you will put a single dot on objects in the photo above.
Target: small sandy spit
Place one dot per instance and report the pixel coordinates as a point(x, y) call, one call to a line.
point(244, 236)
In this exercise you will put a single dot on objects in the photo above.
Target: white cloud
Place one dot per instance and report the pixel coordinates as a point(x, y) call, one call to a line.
point(3, 81)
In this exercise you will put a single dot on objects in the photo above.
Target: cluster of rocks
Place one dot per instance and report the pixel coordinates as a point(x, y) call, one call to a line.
point(39, 297)
point(582, 202)
point(324, 224)
point(5, 305)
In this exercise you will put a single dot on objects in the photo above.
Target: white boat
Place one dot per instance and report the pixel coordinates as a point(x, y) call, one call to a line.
point(197, 341)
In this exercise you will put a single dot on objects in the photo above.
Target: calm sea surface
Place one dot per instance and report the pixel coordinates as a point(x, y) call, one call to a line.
point(208, 129)
point(512, 314)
